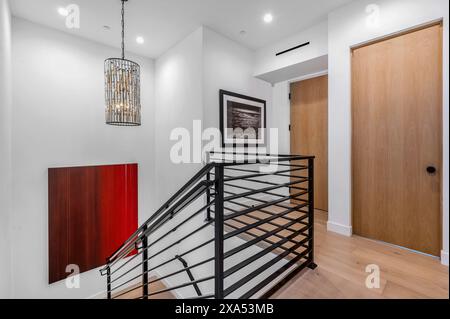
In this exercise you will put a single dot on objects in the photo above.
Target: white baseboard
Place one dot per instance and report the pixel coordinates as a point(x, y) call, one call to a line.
point(340, 229)
point(444, 257)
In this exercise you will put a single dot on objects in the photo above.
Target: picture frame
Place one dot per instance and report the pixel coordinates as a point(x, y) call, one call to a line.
point(243, 120)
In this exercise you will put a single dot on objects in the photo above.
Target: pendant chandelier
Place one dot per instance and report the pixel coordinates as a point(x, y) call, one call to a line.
point(122, 88)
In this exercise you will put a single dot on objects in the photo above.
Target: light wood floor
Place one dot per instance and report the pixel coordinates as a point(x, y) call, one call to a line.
point(341, 268)
point(341, 272)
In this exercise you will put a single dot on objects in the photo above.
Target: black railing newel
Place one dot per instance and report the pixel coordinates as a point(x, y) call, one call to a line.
point(311, 212)
point(145, 289)
point(208, 199)
point(108, 283)
point(219, 228)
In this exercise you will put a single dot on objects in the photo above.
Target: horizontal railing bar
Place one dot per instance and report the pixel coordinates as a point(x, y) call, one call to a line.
point(267, 183)
point(184, 238)
point(292, 165)
point(252, 242)
point(276, 274)
point(271, 222)
point(260, 229)
point(184, 254)
point(252, 162)
point(234, 178)
point(266, 251)
point(257, 171)
point(258, 191)
point(259, 223)
point(266, 240)
point(262, 211)
point(258, 199)
point(281, 156)
point(294, 176)
point(183, 270)
point(262, 206)
point(288, 211)
point(264, 182)
point(164, 277)
point(278, 174)
point(263, 268)
point(166, 248)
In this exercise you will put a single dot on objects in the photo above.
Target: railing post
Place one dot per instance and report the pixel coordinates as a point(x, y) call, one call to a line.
point(145, 265)
point(311, 206)
point(218, 225)
point(108, 283)
point(208, 199)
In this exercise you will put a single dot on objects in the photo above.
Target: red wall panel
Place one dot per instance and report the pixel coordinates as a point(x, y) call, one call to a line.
point(92, 211)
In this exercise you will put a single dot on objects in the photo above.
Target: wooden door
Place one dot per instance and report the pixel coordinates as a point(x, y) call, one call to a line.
point(397, 136)
point(309, 130)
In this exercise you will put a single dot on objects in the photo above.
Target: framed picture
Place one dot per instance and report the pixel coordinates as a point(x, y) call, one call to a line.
point(242, 119)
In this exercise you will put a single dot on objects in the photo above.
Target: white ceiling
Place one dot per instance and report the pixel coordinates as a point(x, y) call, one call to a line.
point(165, 22)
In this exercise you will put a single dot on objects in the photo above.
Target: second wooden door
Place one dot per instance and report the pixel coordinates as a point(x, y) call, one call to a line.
point(309, 130)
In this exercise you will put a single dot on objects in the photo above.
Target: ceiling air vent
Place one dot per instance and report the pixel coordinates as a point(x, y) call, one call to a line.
point(294, 48)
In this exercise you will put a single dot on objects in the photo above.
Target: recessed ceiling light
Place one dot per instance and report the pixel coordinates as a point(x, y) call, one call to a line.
point(268, 18)
point(140, 40)
point(63, 11)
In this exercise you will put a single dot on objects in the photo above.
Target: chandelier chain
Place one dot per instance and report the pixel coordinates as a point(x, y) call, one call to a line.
point(123, 29)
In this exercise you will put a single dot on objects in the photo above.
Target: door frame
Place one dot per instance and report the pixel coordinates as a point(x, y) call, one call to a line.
point(413, 29)
point(306, 77)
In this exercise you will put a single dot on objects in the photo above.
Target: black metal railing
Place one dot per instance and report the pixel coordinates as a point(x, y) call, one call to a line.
point(237, 229)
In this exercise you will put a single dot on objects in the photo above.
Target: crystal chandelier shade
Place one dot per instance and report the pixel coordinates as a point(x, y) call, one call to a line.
point(122, 88)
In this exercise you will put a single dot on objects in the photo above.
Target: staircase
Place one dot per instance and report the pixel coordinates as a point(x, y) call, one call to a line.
point(235, 230)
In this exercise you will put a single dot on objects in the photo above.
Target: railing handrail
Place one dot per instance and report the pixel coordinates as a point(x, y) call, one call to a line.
point(276, 158)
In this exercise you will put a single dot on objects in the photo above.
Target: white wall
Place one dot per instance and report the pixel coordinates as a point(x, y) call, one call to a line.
point(58, 120)
point(288, 68)
point(229, 66)
point(188, 79)
point(347, 27)
point(5, 148)
point(179, 101)
point(281, 114)
point(300, 62)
